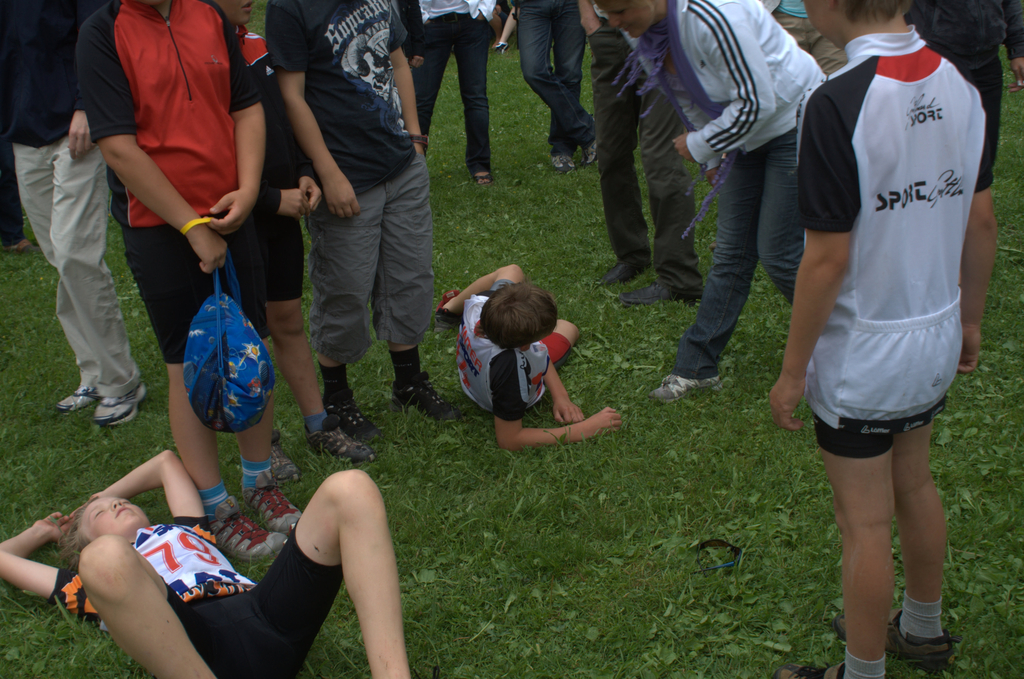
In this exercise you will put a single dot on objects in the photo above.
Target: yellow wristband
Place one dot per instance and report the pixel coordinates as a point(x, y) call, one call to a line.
point(195, 222)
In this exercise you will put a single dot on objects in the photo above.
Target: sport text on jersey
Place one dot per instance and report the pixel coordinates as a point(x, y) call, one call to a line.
point(948, 185)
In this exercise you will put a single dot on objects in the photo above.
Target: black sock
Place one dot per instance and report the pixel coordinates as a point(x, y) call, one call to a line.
point(407, 365)
point(335, 380)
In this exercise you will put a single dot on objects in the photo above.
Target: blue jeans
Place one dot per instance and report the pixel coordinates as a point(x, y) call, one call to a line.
point(541, 23)
point(469, 39)
point(11, 221)
point(757, 219)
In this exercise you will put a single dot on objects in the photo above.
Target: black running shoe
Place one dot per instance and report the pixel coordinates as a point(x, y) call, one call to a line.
point(350, 418)
point(421, 394)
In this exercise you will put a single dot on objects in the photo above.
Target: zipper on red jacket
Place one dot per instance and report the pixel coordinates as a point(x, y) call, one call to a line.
point(188, 88)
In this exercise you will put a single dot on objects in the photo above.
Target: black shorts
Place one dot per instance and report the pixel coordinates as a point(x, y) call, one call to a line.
point(283, 256)
point(268, 630)
point(863, 439)
point(173, 287)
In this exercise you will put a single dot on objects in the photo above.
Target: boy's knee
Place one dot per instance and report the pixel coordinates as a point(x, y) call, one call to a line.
point(285, 320)
point(512, 272)
point(352, 489)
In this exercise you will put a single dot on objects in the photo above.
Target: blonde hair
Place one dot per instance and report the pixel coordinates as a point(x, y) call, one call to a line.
point(518, 314)
point(860, 10)
point(75, 540)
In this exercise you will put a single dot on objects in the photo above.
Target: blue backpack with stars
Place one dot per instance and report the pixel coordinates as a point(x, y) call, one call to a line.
point(229, 376)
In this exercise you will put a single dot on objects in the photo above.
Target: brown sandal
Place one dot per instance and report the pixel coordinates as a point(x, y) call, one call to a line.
point(24, 246)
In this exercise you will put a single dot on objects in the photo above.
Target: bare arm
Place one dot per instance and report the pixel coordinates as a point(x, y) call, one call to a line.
point(818, 282)
point(588, 17)
point(564, 409)
point(15, 565)
point(513, 436)
point(337, 191)
point(162, 471)
point(407, 94)
point(979, 255)
point(250, 144)
point(148, 183)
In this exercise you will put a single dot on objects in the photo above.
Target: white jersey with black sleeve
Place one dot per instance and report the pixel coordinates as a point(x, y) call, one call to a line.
point(891, 150)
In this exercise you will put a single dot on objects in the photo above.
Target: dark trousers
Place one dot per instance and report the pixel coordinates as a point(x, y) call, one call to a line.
point(469, 39)
point(618, 124)
point(989, 81)
point(11, 221)
point(555, 24)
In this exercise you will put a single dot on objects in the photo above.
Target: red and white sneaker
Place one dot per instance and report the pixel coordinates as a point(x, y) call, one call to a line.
point(444, 319)
point(266, 498)
point(241, 539)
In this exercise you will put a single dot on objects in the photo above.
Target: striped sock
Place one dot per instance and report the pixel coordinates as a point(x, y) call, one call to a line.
point(250, 470)
point(212, 497)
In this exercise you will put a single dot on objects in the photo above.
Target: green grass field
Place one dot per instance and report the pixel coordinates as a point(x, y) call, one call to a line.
point(568, 561)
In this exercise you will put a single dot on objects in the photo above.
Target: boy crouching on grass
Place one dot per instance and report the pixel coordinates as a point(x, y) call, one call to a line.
point(895, 206)
point(172, 601)
point(511, 343)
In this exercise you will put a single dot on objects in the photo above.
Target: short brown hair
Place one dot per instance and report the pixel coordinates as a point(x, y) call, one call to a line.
point(875, 9)
point(518, 314)
point(74, 541)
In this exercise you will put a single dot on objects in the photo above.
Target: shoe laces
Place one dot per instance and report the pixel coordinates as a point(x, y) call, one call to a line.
point(243, 527)
point(272, 501)
point(84, 391)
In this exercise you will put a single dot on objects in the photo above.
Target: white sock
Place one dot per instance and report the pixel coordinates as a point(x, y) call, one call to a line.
point(863, 669)
point(919, 620)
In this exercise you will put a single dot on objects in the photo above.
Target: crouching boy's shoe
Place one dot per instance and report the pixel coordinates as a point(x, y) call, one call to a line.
point(241, 539)
point(931, 655)
point(332, 440)
point(277, 512)
point(792, 671)
point(421, 394)
point(281, 466)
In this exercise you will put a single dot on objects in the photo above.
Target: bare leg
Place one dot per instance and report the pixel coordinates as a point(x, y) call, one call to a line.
point(509, 273)
point(131, 598)
point(863, 500)
point(568, 330)
point(292, 354)
point(510, 25)
point(196, 444)
point(345, 523)
point(919, 515)
point(254, 442)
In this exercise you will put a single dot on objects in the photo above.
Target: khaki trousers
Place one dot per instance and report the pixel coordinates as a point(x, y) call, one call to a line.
point(829, 57)
point(66, 204)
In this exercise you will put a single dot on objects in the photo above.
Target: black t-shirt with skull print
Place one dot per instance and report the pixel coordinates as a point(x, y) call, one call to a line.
point(345, 50)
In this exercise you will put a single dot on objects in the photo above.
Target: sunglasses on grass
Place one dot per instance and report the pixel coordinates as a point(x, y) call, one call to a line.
point(707, 550)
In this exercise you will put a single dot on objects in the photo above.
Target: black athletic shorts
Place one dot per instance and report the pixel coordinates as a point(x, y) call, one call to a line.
point(268, 630)
point(173, 287)
point(869, 438)
point(283, 257)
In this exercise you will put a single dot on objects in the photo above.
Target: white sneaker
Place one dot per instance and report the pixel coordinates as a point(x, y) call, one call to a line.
point(82, 398)
point(115, 410)
point(675, 387)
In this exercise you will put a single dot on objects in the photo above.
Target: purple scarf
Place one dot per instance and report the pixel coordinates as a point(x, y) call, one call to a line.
point(660, 39)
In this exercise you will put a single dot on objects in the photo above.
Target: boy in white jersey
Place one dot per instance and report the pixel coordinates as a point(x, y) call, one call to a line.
point(895, 201)
point(510, 344)
point(172, 601)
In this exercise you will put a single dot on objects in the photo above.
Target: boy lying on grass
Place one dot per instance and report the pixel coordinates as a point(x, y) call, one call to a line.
point(172, 601)
point(511, 343)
